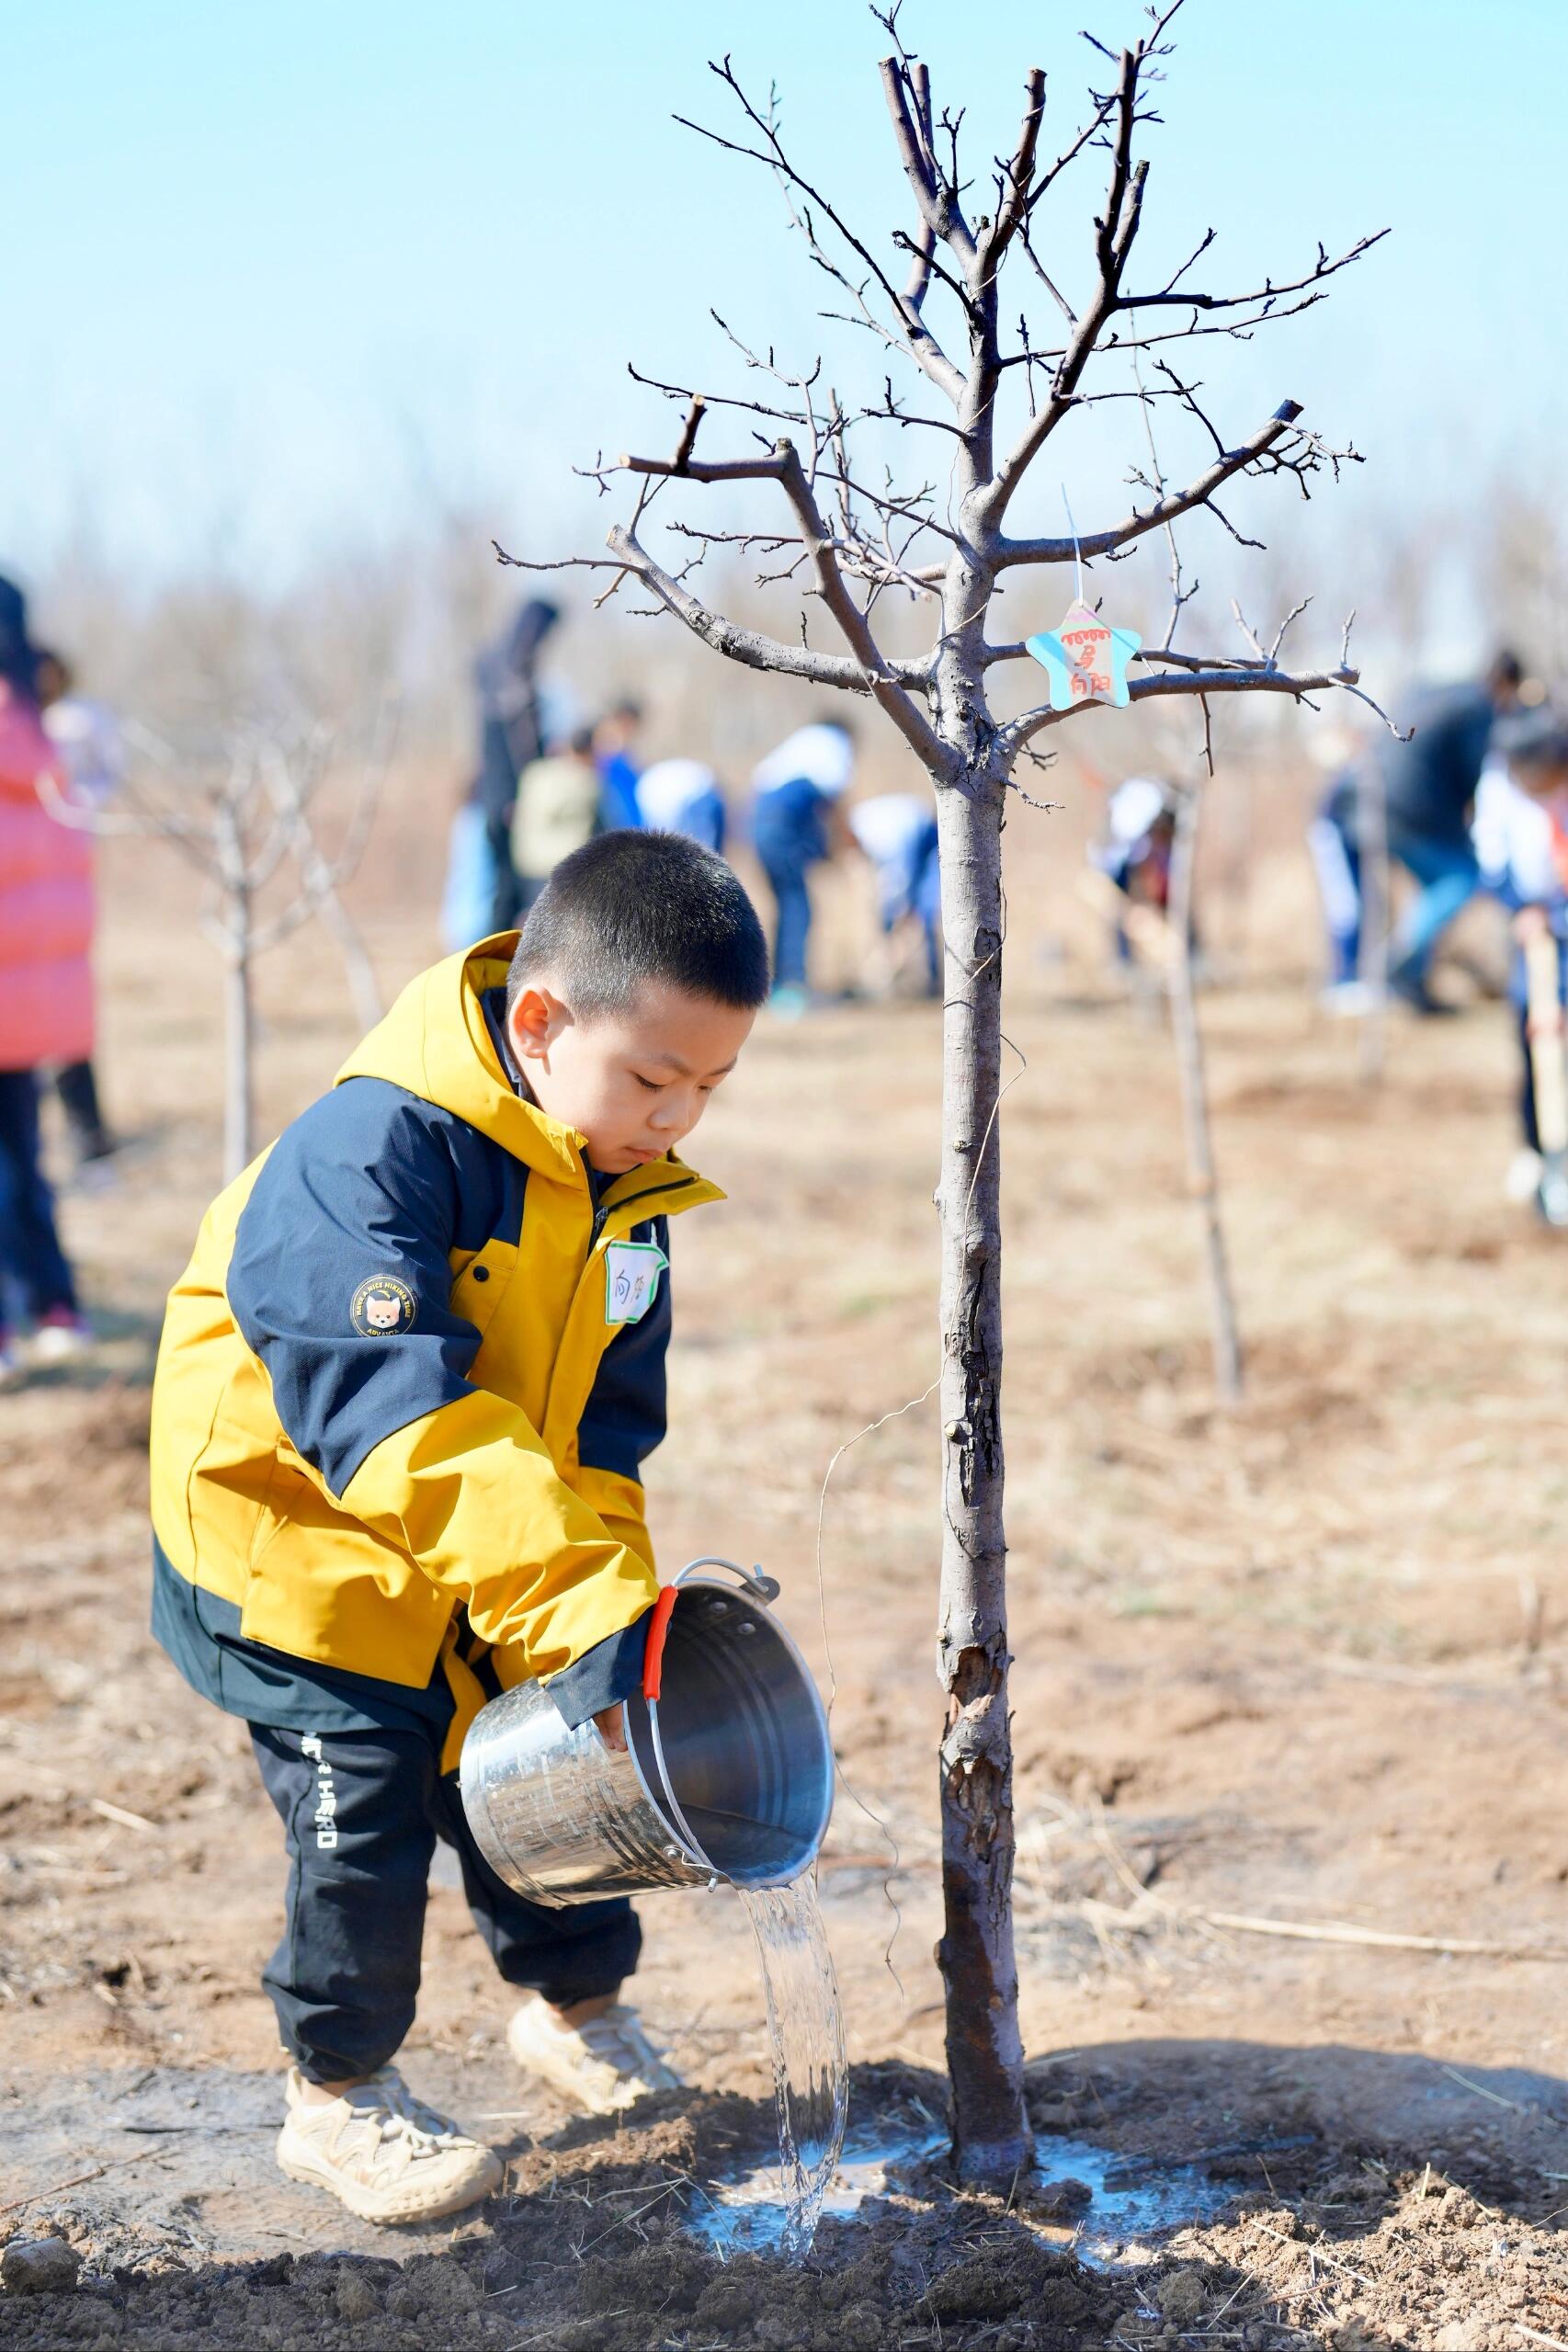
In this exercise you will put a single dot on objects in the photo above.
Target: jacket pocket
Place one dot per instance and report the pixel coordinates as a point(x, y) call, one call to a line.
point(480, 1282)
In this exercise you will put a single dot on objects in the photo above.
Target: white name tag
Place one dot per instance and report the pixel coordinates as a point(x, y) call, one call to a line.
point(631, 1280)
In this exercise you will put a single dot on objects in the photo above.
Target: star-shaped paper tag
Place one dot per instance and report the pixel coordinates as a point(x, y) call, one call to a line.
point(1085, 658)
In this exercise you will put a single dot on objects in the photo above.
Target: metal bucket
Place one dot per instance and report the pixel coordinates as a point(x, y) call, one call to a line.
point(727, 1776)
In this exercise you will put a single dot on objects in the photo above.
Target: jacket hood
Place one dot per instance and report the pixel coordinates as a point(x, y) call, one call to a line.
point(435, 1043)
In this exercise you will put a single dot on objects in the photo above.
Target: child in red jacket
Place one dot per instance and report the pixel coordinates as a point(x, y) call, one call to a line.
point(46, 998)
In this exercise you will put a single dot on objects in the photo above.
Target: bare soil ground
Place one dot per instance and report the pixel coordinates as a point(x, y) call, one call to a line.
point(1300, 1666)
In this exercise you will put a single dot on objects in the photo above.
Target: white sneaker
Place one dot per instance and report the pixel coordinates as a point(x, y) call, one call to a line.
point(602, 2067)
point(382, 2152)
point(61, 1337)
point(1523, 1180)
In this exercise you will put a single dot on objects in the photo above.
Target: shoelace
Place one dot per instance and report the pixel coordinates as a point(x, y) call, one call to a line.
point(617, 2038)
point(387, 2102)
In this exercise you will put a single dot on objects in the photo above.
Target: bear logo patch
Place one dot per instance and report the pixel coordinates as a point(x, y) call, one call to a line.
point(383, 1307)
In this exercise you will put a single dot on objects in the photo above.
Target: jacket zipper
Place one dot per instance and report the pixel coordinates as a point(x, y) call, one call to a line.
point(603, 1209)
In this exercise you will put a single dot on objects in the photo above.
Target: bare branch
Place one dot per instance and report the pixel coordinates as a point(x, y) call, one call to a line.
point(1012, 212)
point(1218, 679)
point(1115, 232)
point(1268, 294)
point(749, 646)
point(689, 434)
point(917, 338)
point(935, 198)
point(919, 277)
point(1163, 510)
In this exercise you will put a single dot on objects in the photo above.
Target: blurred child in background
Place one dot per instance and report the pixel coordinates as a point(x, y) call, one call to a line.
point(1333, 838)
point(1521, 850)
point(1135, 855)
point(46, 997)
point(897, 832)
point(1430, 778)
point(86, 736)
point(798, 823)
point(683, 796)
point(614, 736)
point(558, 809)
point(481, 892)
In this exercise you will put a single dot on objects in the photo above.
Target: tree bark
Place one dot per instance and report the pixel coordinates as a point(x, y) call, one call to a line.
point(976, 1955)
point(1202, 1178)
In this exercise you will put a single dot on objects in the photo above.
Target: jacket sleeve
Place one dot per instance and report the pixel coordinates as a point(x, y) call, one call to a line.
point(340, 1282)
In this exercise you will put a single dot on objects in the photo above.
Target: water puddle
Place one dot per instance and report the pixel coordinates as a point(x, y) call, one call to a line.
point(1100, 2203)
point(811, 2075)
point(1119, 2202)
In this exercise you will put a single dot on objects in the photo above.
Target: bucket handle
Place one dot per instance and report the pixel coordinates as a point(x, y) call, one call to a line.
point(766, 1591)
point(765, 1587)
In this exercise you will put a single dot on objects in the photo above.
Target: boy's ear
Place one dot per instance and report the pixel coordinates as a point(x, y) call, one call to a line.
point(535, 1021)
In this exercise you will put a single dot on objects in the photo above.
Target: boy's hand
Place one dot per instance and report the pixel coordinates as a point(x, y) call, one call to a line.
point(1530, 923)
point(611, 1725)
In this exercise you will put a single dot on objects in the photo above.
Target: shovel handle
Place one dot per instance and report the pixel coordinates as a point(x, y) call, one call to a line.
point(654, 1648)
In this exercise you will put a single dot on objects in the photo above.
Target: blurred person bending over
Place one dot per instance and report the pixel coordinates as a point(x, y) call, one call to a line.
point(683, 796)
point(797, 823)
point(897, 832)
point(1429, 785)
point(46, 996)
point(1521, 849)
point(1135, 855)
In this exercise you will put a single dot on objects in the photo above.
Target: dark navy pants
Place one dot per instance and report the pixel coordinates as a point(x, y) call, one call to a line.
point(31, 1256)
point(362, 1811)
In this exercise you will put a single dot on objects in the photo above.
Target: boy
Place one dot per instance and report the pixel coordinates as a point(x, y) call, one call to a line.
point(396, 1432)
point(797, 823)
point(897, 834)
point(1522, 855)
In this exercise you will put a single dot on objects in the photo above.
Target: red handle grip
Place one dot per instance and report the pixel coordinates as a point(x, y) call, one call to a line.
point(654, 1650)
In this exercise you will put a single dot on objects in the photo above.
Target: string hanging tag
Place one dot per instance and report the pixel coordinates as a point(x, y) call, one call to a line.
point(1085, 657)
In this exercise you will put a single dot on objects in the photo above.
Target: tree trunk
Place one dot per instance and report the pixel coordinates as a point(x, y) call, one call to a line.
point(978, 1970)
point(239, 1113)
point(1202, 1180)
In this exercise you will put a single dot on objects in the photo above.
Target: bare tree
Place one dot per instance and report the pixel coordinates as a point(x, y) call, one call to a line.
point(1202, 1176)
point(983, 399)
point(240, 808)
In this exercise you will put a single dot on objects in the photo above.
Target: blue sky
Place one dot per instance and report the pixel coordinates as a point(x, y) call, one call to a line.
point(279, 277)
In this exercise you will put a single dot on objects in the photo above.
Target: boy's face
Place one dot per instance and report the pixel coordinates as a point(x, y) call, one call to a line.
point(633, 1083)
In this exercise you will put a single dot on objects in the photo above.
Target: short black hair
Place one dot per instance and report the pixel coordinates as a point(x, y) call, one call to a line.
point(633, 909)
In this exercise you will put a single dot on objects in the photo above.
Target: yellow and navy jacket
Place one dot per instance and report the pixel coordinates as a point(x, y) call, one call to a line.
point(401, 1403)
